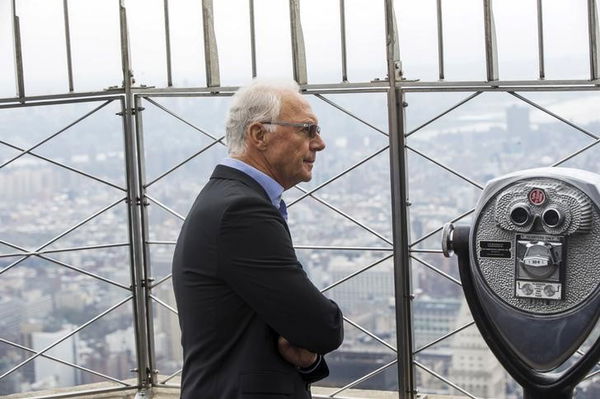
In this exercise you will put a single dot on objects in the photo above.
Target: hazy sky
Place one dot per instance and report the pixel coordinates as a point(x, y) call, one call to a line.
point(96, 47)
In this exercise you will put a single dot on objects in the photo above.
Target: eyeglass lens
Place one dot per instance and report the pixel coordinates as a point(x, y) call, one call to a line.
point(313, 131)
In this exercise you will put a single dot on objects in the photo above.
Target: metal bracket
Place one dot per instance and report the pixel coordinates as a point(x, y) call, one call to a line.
point(116, 87)
point(398, 70)
point(132, 111)
point(147, 282)
point(143, 394)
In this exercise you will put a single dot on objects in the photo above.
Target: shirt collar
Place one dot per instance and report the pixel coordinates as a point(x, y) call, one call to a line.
point(272, 188)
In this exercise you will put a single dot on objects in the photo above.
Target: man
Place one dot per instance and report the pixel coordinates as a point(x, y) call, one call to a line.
point(253, 325)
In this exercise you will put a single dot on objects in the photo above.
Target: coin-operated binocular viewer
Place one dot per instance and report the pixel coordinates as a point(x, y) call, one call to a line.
point(530, 270)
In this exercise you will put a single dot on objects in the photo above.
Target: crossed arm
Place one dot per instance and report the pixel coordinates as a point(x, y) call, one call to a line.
point(299, 357)
point(258, 261)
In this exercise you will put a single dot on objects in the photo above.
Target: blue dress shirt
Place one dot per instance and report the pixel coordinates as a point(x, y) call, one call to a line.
point(273, 189)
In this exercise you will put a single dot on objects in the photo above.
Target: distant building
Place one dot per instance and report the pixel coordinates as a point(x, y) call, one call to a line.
point(21, 182)
point(474, 367)
point(167, 332)
point(348, 366)
point(432, 319)
point(372, 286)
point(121, 341)
point(367, 297)
point(11, 316)
point(52, 373)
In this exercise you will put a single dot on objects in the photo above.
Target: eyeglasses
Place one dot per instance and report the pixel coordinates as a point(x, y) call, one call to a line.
point(312, 130)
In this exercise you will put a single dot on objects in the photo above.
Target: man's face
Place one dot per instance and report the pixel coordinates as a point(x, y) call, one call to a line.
point(290, 152)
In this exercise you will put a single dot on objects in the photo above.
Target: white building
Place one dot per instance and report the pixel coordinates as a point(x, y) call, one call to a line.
point(54, 373)
point(474, 367)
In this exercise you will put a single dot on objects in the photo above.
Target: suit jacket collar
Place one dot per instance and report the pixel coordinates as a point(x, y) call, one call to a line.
point(271, 186)
point(225, 172)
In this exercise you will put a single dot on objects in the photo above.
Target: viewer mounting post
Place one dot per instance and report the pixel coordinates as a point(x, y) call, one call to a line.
point(399, 191)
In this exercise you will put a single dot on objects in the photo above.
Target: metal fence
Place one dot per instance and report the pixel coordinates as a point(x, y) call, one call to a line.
point(140, 108)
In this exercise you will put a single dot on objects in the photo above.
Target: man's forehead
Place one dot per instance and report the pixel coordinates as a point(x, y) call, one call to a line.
point(295, 103)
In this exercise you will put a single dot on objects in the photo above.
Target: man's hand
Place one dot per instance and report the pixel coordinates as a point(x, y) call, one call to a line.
point(299, 357)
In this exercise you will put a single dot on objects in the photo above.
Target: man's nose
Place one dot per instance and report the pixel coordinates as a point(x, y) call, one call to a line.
point(318, 144)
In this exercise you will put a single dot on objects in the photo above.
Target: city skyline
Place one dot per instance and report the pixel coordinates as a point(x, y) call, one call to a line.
point(486, 88)
point(434, 200)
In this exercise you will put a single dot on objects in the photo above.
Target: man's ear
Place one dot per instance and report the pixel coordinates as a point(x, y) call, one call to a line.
point(256, 136)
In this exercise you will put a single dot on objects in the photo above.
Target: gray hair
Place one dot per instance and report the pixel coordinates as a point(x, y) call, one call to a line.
point(258, 101)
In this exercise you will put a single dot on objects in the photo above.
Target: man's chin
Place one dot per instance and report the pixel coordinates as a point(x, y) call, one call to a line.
point(303, 179)
point(307, 177)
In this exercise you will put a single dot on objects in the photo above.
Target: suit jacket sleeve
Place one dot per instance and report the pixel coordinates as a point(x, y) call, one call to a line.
point(318, 373)
point(257, 260)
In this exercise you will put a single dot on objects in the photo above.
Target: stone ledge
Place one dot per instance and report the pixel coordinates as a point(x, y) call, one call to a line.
point(87, 392)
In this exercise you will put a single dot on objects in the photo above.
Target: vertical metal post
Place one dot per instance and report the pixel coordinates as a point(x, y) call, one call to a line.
point(440, 32)
point(141, 165)
point(252, 39)
point(168, 43)
point(298, 51)
point(491, 49)
point(211, 56)
point(399, 191)
point(594, 39)
point(134, 200)
point(18, 54)
point(540, 23)
point(68, 44)
point(343, 40)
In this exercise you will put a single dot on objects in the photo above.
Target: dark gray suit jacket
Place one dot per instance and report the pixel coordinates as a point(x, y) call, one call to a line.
point(238, 287)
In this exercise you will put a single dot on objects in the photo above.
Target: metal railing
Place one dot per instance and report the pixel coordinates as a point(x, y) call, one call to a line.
point(42, 252)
